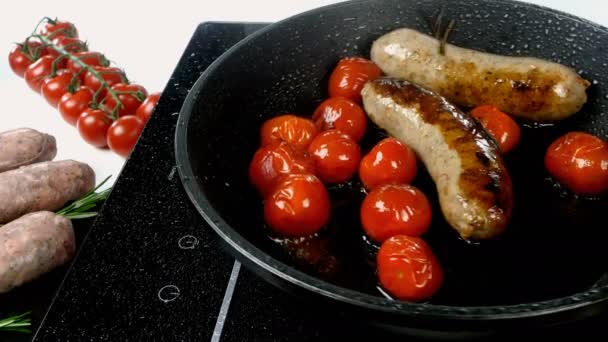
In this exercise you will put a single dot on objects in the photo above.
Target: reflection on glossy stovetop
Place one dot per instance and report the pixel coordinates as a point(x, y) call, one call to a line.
point(150, 269)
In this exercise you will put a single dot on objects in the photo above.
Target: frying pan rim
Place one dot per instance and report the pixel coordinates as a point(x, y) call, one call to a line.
point(584, 299)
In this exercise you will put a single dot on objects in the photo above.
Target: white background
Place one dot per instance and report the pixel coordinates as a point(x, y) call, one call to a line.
point(146, 38)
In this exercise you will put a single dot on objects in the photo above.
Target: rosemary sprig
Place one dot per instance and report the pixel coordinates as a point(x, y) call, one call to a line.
point(446, 34)
point(436, 25)
point(80, 209)
point(17, 323)
point(437, 29)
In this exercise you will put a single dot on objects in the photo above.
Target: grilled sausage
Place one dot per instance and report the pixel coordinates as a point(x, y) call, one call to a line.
point(525, 87)
point(25, 146)
point(43, 186)
point(473, 184)
point(32, 245)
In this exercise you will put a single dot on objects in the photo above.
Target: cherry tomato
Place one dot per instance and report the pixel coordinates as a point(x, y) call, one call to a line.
point(89, 58)
point(336, 156)
point(72, 105)
point(123, 134)
point(53, 88)
point(271, 163)
point(298, 206)
point(130, 95)
point(145, 110)
point(343, 115)
point(579, 161)
point(349, 77)
point(56, 28)
point(408, 269)
point(389, 162)
point(292, 129)
point(504, 129)
point(110, 75)
point(23, 55)
point(394, 209)
point(93, 125)
point(36, 73)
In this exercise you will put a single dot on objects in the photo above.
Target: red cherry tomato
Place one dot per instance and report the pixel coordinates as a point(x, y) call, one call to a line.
point(89, 58)
point(336, 156)
point(292, 129)
point(130, 95)
point(145, 110)
point(23, 55)
point(110, 75)
point(408, 269)
point(271, 163)
point(52, 89)
point(72, 105)
point(579, 161)
point(393, 209)
point(349, 77)
point(298, 206)
point(504, 129)
point(343, 115)
point(36, 73)
point(93, 125)
point(389, 162)
point(56, 28)
point(123, 134)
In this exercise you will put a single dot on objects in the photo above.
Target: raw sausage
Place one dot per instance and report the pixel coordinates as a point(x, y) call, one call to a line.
point(33, 245)
point(525, 87)
point(472, 181)
point(43, 186)
point(24, 146)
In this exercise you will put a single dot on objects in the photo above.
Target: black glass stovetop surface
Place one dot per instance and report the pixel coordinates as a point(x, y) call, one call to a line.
point(151, 270)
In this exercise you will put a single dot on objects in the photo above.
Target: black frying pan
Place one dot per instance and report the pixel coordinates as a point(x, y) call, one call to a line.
point(548, 268)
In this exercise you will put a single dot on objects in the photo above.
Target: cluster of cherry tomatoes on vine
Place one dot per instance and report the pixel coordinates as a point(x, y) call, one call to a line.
point(88, 92)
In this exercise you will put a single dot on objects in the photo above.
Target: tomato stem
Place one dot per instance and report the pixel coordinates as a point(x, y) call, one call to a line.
point(37, 52)
point(25, 50)
point(43, 20)
point(135, 93)
point(94, 103)
point(101, 58)
point(54, 66)
point(82, 45)
point(56, 33)
point(114, 113)
point(63, 53)
point(74, 82)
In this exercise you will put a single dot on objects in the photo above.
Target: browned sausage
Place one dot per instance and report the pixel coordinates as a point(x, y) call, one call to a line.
point(25, 146)
point(472, 181)
point(43, 186)
point(32, 245)
point(526, 87)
